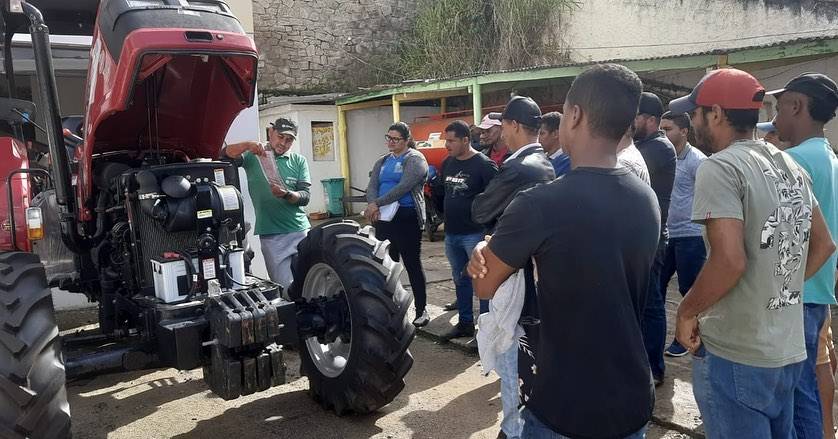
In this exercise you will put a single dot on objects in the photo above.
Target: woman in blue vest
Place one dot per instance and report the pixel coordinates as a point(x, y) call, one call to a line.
point(396, 184)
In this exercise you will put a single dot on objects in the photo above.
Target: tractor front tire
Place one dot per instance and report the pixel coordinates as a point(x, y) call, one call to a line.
point(33, 396)
point(340, 259)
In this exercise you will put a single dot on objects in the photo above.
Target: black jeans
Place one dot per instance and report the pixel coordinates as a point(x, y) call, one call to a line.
point(406, 246)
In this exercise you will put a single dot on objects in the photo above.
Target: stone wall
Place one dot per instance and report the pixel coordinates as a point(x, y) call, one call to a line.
point(325, 45)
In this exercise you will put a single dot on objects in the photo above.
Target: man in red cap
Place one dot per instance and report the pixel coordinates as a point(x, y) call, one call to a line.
point(743, 317)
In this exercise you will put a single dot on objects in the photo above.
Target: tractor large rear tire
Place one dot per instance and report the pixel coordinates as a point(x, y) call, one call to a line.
point(33, 397)
point(372, 374)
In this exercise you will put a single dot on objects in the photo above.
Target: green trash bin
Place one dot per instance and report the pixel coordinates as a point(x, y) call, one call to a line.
point(334, 195)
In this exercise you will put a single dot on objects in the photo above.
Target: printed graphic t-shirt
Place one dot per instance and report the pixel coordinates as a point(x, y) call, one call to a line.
point(760, 321)
point(464, 179)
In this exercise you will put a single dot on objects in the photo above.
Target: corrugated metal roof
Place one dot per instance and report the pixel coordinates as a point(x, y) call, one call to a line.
point(716, 51)
point(815, 45)
point(275, 101)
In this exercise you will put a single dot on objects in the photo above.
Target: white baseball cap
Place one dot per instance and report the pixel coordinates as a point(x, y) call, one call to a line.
point(487, 123)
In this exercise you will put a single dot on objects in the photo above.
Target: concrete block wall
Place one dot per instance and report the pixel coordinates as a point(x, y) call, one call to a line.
point(315, 44)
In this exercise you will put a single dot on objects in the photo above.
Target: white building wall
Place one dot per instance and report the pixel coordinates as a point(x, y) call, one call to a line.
point(304, 116)
point(618, 29)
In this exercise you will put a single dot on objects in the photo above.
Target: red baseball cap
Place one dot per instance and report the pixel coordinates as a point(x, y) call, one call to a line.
point(731, 89)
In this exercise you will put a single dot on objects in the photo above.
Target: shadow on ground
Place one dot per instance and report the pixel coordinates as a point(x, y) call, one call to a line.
point(444, 393)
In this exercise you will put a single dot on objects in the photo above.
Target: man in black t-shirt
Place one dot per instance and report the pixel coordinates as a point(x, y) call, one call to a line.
point(465, 174)
point(659, 154)
point(593, 234)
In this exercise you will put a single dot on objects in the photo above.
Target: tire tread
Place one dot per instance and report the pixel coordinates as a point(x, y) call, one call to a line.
point(33, 397)
point(377, 365)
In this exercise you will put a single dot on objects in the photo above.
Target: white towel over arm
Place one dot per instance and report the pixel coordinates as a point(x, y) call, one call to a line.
point(499, 329)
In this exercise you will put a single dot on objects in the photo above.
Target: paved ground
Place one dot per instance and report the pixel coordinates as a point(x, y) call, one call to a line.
point(446, 396)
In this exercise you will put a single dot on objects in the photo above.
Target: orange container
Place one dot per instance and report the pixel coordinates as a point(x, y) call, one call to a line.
point(435, 155)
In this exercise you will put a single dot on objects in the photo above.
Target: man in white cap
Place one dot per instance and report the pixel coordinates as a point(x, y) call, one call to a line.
point(491, 144)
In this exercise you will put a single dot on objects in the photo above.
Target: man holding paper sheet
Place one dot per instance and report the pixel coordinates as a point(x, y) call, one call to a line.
point(278, 181)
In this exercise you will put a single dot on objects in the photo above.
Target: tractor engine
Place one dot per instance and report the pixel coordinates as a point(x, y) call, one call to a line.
point(172, 274)
point(187, 224)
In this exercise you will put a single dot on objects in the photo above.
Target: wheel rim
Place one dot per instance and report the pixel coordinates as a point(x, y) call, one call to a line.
point(331, 358)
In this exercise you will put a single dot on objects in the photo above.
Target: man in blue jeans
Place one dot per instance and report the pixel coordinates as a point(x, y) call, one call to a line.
point(465, 174)
point(685, 252)
point(804, 106)
point(743, 317)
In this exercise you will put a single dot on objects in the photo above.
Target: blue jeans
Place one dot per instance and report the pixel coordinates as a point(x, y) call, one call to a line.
point(654, 315)
point(458, 249)
point(807, 402)
point(535, 429)
point(684, 256)
point(743, 402)
point(507, 368)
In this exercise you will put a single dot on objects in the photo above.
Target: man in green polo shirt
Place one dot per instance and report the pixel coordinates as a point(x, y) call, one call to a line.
point(281, 222)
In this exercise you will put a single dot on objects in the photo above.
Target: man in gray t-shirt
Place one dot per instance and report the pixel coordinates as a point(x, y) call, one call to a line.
point(743, 317)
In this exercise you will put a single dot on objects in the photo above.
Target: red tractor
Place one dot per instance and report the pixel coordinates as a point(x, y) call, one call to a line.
point(142, 217)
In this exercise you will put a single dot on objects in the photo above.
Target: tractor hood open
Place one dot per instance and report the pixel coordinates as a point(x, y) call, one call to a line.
point(171, 99)
point(167, 75)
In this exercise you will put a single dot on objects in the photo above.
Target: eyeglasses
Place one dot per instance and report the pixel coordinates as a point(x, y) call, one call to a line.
point(393, 139)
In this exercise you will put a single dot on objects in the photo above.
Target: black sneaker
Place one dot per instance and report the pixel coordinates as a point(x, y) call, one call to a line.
point(460, 330)
point(422, 319)
point(450, 306)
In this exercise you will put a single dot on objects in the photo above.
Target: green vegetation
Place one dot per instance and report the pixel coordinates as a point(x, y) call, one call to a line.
point(458, 37)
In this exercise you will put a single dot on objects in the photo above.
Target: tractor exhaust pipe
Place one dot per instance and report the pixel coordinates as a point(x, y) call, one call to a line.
point(64, 196)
